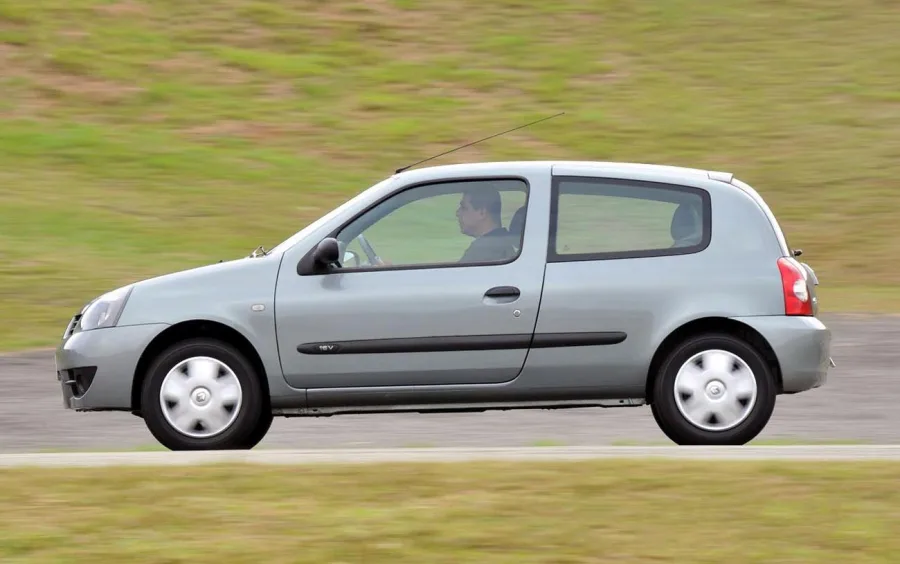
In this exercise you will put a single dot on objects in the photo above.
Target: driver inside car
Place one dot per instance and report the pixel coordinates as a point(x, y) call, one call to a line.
point(478, 215)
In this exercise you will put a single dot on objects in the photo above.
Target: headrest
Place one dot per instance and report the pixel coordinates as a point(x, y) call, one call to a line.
point(686, 222)
point(517, 223)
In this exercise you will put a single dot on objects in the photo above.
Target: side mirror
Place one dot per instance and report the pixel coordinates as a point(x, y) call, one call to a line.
point(327, 252)
point(319, 258)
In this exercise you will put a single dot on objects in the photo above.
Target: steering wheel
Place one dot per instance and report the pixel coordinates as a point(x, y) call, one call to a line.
point(367, 248)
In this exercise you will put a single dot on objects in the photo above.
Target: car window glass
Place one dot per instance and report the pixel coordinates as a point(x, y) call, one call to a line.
point(608, 217)
point(436, 224)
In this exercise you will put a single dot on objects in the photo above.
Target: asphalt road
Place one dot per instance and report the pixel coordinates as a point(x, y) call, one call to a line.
point(859, 403)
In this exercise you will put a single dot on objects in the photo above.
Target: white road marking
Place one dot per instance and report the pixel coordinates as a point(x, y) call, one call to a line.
point(364, 456)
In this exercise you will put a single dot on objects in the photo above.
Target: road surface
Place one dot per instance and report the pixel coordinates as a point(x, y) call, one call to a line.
point(860, 403)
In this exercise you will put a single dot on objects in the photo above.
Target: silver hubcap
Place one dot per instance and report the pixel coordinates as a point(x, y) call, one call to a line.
point(200, 397)
point(715, 390)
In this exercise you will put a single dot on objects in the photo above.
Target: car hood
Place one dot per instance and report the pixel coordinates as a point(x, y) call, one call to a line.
point(210, 291)
point(216, 270)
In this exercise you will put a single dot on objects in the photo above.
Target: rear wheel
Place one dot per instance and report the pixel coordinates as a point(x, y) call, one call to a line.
point(713, 389)
point(203, 394)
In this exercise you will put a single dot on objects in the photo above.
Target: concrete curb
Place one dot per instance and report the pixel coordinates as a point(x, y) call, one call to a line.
point(369, 456)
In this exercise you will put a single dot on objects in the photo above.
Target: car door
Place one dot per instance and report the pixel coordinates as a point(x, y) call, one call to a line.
point(423, 318)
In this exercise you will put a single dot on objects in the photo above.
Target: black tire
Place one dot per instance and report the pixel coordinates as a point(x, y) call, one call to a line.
point(244, 429)
point(259, 433)
point(681, 430)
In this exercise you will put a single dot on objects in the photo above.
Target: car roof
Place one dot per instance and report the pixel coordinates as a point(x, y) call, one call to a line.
point(562, 167)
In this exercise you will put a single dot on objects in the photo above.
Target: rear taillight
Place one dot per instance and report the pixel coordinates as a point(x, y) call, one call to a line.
point(797, 300)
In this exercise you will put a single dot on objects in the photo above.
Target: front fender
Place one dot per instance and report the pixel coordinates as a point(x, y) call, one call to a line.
point(238, 294)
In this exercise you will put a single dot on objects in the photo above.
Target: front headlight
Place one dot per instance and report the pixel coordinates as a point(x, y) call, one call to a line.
point(105, 310)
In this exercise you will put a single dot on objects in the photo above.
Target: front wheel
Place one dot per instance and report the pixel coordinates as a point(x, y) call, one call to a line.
point(713, 390)
point(203, 394)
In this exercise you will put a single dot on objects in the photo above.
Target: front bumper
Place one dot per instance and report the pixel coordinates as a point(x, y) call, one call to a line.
point(95, 369)
point(802, 346)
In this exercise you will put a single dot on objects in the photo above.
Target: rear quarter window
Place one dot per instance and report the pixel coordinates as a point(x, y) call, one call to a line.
point(609, 218)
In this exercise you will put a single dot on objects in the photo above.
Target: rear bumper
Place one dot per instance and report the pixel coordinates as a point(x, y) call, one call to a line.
point(95, 369)
point(802, 347)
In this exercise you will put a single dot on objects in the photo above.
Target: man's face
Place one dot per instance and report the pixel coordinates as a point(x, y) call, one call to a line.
point(468, 217)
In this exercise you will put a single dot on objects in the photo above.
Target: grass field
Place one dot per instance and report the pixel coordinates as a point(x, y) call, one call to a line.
point(137, 137)
point(636, 512)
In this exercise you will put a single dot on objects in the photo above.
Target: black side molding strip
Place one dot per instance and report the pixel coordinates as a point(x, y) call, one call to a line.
point(463, 343)
point(555, 340)
point(420, 344)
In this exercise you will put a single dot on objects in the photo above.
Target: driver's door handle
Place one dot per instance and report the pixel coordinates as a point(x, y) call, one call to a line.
point(502, 292)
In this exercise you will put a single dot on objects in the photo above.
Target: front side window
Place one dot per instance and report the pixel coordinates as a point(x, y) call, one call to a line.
point(446, 223)
point(609, 218)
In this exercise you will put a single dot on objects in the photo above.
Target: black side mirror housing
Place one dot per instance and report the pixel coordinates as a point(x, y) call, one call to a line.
point(327, 252)
point(320, 257)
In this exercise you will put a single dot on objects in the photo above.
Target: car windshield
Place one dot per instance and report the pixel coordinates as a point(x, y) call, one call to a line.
point(293, 239)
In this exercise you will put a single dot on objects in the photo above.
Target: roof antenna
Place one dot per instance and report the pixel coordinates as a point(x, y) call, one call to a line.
point(399, 170)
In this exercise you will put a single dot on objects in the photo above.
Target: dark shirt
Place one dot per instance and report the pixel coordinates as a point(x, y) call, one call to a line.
point(496, 245)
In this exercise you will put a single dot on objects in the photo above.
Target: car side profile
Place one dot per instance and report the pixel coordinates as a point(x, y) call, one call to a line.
point(473, 287)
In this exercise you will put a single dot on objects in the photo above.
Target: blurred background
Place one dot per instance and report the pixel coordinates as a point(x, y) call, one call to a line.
point(139, 137)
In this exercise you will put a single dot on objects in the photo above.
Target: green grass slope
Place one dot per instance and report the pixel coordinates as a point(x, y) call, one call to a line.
point(137, 137)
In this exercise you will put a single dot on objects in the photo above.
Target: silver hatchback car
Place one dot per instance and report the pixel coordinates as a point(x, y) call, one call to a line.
point(472, 287)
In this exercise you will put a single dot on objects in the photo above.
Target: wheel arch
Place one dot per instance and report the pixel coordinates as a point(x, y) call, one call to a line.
point(192, 329)
point(712, 325)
